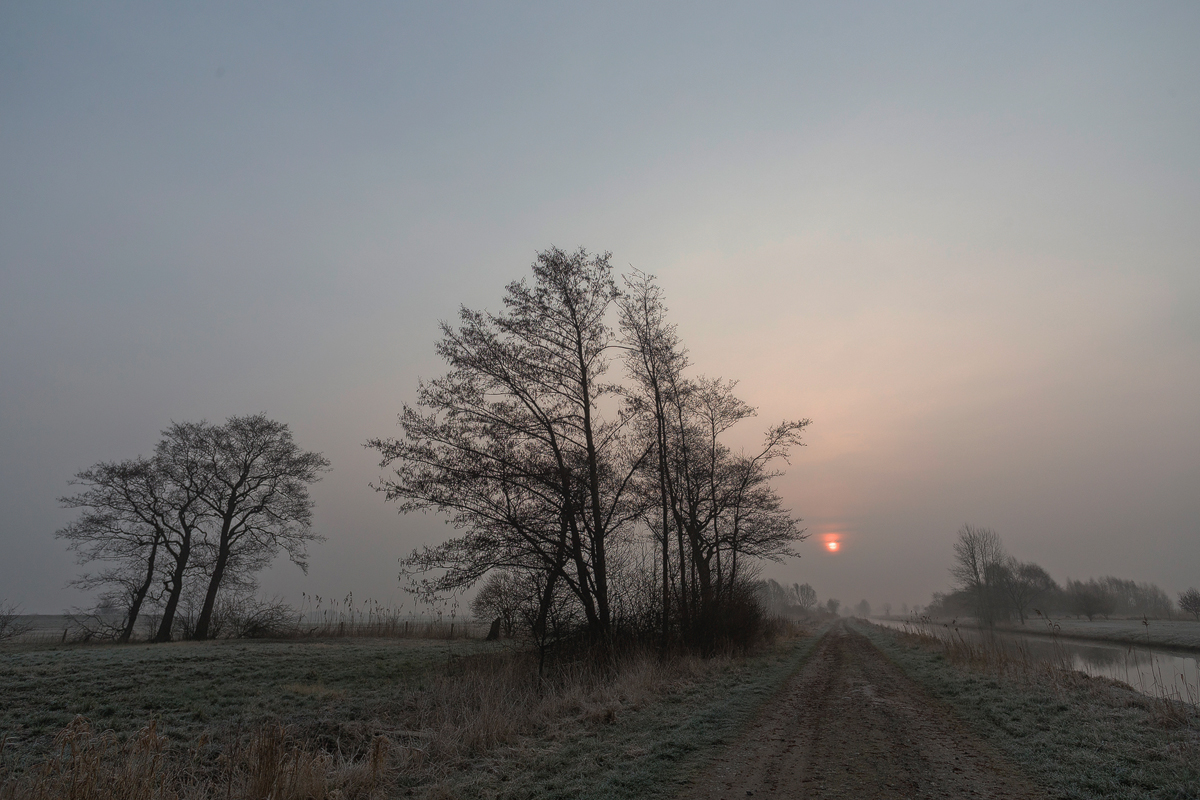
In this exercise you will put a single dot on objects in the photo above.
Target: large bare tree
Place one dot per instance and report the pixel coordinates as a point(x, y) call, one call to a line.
point(513, 443)
point(545, 464)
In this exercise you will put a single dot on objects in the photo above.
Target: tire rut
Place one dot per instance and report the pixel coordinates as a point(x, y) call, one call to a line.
point(850, 724)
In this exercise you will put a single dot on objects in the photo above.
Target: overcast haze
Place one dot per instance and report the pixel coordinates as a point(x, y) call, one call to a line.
point(961, 238)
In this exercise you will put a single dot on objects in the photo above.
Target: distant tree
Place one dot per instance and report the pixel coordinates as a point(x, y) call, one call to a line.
point(952, 604)
point(1089, 598)
point(11, 625)
point(219, 500)
point(1189, 602)
point(1025, 583)
point(979, 560)
point(832, 605)
point(863, 609)
point(501, 597)
point(1137, 599)
point(773, 596)
point(887, 609)
point(257, 499)
point(806, 596)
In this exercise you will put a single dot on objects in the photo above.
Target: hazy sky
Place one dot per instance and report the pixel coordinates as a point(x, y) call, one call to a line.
point(962, 238)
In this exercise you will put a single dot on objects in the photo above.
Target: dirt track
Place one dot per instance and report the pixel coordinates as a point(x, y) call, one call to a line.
point(849, 724)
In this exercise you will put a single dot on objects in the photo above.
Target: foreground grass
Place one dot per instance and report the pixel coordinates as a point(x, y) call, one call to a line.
point(192, 688)
point(1076, 736)
point(361, 718)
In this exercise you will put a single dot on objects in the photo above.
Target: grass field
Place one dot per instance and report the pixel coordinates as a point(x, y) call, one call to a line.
point(1177, 633)
point(456, 718)
point(194, 687)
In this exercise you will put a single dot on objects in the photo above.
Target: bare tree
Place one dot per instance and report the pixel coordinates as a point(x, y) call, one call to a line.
point(513, 445)
point(655, 362)
point(122, 526)
point(1090, 598)
point(546, 467)
point(979, 559)
point(1189, 602)
point(179, 459)
point(1131, 597)
point(723, 505)
point(500, 598)
point(1025, 583)
point(256, 496)
point(806, 596)
point(212, 499)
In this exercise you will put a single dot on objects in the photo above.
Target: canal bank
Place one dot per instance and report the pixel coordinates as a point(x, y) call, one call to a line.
point(1153, 669)
point(1074, 735)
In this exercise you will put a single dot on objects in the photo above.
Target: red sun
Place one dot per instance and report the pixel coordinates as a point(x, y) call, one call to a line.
point(832, 542)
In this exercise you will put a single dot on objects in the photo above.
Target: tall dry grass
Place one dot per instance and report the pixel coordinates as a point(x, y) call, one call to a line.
point(270, 764)
point(326, 617)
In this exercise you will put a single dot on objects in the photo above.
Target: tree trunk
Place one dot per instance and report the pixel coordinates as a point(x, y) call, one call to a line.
point(210, 597)
point(599, 567)
point(570, 524)
point(140, 595)
point(660, 430)
point(174, 590)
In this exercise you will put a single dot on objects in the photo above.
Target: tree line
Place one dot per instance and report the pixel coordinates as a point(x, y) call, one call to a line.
point(198, 519)
point(588, 500)
point(993, 586)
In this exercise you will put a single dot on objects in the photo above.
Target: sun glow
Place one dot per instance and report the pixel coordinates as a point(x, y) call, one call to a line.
point(832, 542)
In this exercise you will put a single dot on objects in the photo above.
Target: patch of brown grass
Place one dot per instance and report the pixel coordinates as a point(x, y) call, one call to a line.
point(272, 764)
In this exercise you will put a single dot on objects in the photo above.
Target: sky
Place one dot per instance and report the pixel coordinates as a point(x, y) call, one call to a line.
point(961, 238)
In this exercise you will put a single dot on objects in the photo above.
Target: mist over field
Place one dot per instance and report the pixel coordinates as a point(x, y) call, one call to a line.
point(960, 240)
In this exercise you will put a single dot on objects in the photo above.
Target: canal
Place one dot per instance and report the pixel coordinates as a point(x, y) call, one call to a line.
point(1154, 671)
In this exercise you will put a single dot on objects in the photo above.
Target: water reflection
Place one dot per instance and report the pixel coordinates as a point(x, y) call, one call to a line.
point(1158, 672)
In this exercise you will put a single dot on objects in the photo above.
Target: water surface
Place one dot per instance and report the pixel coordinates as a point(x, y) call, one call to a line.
point(1154, 671)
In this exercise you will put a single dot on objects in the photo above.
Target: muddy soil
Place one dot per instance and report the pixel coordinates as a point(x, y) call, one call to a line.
point(849, 724)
